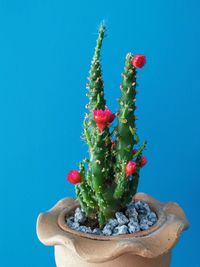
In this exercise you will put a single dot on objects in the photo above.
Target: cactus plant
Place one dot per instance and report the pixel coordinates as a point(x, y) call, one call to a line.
point(108, 179)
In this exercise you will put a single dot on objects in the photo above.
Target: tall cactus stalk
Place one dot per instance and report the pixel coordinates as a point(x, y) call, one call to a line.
point(108, 179)
point(125, 130)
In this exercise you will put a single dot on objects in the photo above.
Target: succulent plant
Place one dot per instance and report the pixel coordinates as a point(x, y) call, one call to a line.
point(108, 179)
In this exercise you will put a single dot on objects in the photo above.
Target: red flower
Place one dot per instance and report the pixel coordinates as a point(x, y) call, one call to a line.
point(143, 161)
point(74, 177)
point(130, 168)
point(103, 118)
point(138, 61)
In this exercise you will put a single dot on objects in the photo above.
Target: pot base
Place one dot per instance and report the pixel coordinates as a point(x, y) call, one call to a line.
point(66, 258)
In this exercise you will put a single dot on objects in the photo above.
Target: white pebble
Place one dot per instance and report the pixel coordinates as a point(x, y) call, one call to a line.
point(121, 218)
point(112, 223)
point(75, 226)
point(107, 230)
point(97, 231)
point(133, 227)
point(144, 226)
point(79, 216)
point(121, 230)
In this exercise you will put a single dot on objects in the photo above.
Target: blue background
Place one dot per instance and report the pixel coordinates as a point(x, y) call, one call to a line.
point(45, 53)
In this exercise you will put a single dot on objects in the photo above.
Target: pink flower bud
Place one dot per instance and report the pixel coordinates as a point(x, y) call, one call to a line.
point(130, 168)
point(103, 118)
point(138, 61)
point(143, 161)
point(74, 177)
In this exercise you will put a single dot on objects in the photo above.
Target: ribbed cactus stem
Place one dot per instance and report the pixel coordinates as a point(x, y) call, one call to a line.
point(99, 166)
point(132, 184)
point(85, 193)
point(125, 130)
point(99, 142)
point(95, 94)
point(95, 83)
point(102, 30)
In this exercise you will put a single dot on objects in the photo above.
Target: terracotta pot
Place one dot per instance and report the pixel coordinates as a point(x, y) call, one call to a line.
point(149, 248)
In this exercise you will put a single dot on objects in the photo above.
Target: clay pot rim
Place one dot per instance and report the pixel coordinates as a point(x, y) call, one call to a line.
point(93, 248)
point(68, 211)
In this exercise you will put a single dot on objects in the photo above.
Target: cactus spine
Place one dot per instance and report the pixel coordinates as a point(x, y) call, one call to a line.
point(106, 186)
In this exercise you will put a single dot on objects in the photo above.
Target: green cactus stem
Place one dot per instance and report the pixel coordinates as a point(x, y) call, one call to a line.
point(132, 183)
point(95, 83)
point(99, 142)
point(85, 193)
point(125, 130)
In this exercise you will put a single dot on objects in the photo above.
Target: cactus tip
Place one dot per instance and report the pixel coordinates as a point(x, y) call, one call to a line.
point(102, 26)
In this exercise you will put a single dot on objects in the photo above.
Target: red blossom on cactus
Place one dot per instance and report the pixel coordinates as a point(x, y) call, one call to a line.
point(143, 161)
point(130, 168)
point(103, 118)
point(138, 61)
point(74, 177)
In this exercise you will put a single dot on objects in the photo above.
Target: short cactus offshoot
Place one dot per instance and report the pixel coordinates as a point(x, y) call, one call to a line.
point(107, 180)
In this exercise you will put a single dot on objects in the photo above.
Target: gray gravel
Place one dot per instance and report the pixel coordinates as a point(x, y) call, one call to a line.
point(79, 216)
point(121, 230)
point(97, 231)
point(133, 227)
point(85, 229)
point(137, 217)
point(113, 223)
point(121, 218)
point(107, 230)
